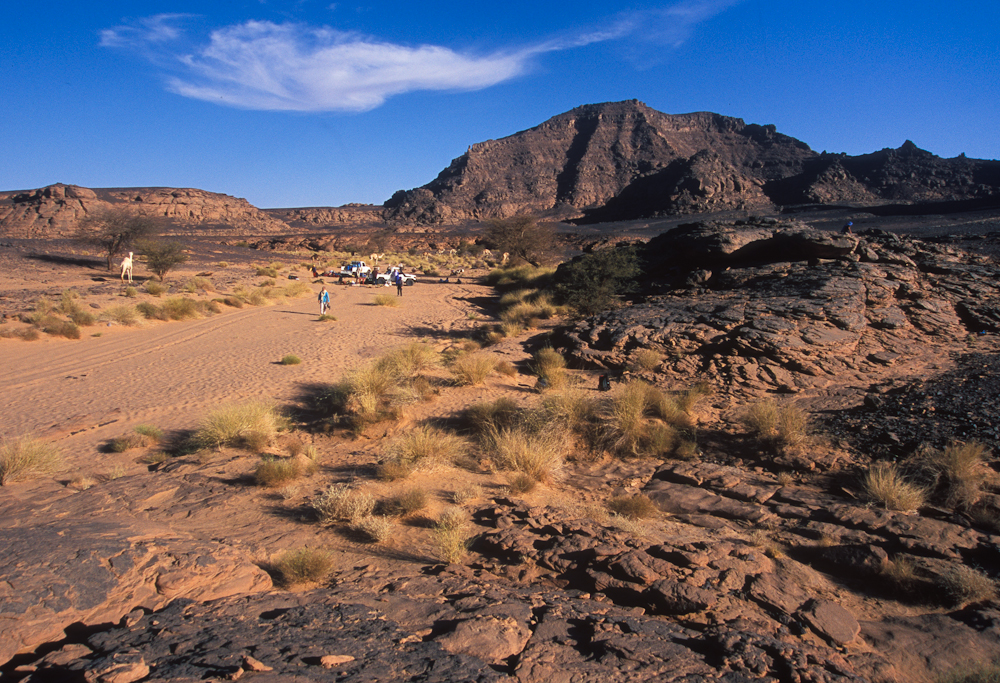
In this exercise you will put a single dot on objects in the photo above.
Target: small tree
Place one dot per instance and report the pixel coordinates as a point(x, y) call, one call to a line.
point(113, 229)
point(161, 257)
point(522, 237)
point(595, 282)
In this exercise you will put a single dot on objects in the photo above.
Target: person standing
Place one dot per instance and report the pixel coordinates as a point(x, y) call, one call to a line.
point(324, 301)
point(399, 283)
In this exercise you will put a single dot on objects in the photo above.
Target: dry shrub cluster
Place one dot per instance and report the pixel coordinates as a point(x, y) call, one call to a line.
point(275, 473)
point(886, 485)
point(142, 436)
point(472, 369)
point(450, 535)
point(301, 566)
point(423, 448)
point(954, 476)
point(25, 458)
point(634, 507)
point(342, 503)
point(251, 425)
point(550, 368)
point(638, 419)
point(122, 314)
point(645, 359)
point(539, 454)
point(378, 391)
point(777, 427)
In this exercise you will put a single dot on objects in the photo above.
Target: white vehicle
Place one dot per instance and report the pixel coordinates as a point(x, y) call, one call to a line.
point(389, 277)
point(355, 268)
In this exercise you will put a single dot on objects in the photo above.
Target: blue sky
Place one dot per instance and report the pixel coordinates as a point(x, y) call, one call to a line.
point(319, 103)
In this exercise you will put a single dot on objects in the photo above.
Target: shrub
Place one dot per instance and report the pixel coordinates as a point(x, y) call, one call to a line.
point(180, 308)
point(958, 472)
point(198, 284)
point(162, 257)
point(466, 494)
point(82, 318)
point(883, 484)
point(386, 300)
point(290, 359)
point(624, 427)
point(550, 367)
point(26, 458)
point(645, 359)
point(340, 502)
point(267, 271)
point(150, 311)
point(426, 448)
point(327, 318)
point(539, 455)
point(409, 502)
point(523, 277)
point(471, 369)
point(377, 528)
point(61, 328)
point(301, 566)
point(130, 292)
point(638, 506)
point(277, 472)
point(155, 288)
point(492, 416)
point(252, 425)
point(123, 314)
point(520, 483)
point(976, 673)
point(450, 537)
point(963, 585)
point(595, 282)
point(777, 426)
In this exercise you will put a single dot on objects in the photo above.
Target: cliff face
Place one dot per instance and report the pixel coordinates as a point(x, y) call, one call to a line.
point(54, 211)
point(623, 160)
point(586, 158)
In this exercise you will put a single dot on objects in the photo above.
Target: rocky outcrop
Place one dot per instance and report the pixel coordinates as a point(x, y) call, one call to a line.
point(777, 306)
point(585, 158)
point(319, 217)
point(55, 211)
point(623, 160)
point(94, 572)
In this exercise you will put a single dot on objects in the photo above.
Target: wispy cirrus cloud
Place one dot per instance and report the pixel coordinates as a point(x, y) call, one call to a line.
point(296, 67)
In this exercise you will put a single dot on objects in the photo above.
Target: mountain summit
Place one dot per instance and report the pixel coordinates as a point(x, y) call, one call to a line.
point(623, 160)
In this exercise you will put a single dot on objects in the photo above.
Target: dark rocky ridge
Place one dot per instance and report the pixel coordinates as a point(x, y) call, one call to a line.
point(624, 160)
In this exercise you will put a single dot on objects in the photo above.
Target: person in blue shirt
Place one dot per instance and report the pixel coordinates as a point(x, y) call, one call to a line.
point(324, 301)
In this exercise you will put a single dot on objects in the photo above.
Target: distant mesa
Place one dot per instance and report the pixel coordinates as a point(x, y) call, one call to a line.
point(596, 163)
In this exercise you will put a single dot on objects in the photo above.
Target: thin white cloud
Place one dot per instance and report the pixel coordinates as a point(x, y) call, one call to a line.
point(294, 67)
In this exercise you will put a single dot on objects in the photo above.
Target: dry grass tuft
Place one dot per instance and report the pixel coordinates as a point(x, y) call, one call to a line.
point(386, 300)
point(963, 585)
point(408, 502)
point(885, 485)
point(290, 359)
point(27, 458)
point(376, 528)
point(305, 565)
point(777, 426)
point(645, 359)
point(278, 472)
point(984, 672)
point(472, 369)
point(466, 494)
point(958, 472)
point(426, 447)
point(638, 506)
point(520, 483)
point(550, 367)
point(252, 425)
point(451, 539)
point(341, 503)
point(541, 456)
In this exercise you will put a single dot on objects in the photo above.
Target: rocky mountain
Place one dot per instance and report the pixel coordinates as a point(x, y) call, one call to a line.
point(54, 211)
point(624, 160)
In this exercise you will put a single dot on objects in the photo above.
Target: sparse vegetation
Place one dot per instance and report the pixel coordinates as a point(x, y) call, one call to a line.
point(155, 288)
point(122, 314)
point(25, 458)
point(975, 673)
point(539, 455)
point(252, 425)
point(304, 565)
point(550, 367)
point(111, 230)
point(162, 257)
point(638, 506)
point(426, 447)
point(963, 585)
point(645, 359)
point(278, 472)
point(342, 503)
point(290, 359)
point(955, 474)
point(884, 484)
point(376, 528)
point(471, 369)
point(386, 300)
point(408, 502)
point(778, 427)
point(450, 536)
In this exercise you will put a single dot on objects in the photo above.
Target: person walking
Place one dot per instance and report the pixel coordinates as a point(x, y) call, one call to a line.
point(324, 301)
point(399, 283)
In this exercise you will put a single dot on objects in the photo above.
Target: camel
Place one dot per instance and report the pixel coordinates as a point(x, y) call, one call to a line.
point(487, 253)
point(505, 257)
point(127, 267)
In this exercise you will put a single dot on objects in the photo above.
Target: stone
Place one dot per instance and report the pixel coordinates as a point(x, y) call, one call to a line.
point(492, 639)
point(831, 621)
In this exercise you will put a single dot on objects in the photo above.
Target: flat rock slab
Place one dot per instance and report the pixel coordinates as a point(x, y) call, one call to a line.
point(98, 571)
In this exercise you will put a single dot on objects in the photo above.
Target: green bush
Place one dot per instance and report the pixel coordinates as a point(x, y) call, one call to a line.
point(595, 282)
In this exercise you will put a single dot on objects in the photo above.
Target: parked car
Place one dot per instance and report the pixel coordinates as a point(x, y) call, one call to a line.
point(389, 277)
